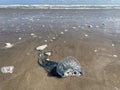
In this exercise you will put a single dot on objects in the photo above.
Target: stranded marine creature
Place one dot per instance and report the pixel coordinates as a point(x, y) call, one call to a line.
point(67, 67)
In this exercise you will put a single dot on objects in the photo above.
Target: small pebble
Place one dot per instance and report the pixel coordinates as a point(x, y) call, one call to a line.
point(97, 26)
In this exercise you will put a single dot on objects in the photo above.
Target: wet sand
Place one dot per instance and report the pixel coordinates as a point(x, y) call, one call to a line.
point(91, 36)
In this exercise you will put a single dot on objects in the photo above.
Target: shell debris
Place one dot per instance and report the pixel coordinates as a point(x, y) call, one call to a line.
point(48, 53)
point(8, 45)
point(86, 35)
point(97, 26)
point(74, 27)
point(61, 32)
point(54, 38)
point(95, 50)
point(19, 38)
point(42, 47)
point(7, 69)
point(115, 56)
point(32, 34)
point(90, 26)
point(113, 44)
point(65, 30)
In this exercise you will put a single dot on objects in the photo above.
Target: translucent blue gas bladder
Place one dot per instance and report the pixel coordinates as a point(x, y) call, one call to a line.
point(69, 67)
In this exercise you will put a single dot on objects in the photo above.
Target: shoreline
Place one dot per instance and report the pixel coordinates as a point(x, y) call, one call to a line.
point(60, 6)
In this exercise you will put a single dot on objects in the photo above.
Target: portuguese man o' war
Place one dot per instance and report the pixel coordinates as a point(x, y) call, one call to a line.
point(67, 67)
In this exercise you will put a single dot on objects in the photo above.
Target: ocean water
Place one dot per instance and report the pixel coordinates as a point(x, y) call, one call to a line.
point(60, 2)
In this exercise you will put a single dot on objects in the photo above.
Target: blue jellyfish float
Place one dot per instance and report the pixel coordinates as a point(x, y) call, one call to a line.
point(69, 66)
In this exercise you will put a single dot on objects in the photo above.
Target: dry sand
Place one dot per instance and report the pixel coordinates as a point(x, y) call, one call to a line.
point(97, 48)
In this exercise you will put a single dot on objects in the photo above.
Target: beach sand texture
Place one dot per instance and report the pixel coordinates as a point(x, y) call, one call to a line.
point(91, 36)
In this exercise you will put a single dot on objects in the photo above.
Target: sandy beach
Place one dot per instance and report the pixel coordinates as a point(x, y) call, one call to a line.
point(91, 36)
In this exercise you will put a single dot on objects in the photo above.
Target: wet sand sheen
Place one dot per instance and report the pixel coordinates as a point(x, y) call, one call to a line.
point(91, 36)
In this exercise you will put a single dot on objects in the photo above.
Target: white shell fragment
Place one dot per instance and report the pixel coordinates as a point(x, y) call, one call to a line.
point(42, 47)
point(90, 26)
point(7, 69)
point(8, 45)
point(48, 59)
point(115, 56)
point(65, 30)
point(113, 45)
point(74, 27)
point(97, 26)
point(28, 53)
point(54, 38)
point(48, 53)
point(95, 50)
point(61, 32)
point(19, 38)
point(86, 35)
point(32, 34)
